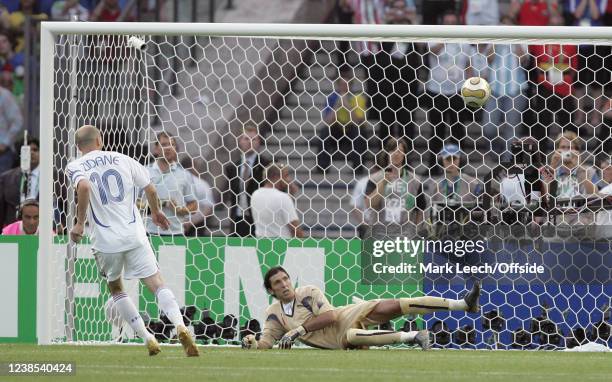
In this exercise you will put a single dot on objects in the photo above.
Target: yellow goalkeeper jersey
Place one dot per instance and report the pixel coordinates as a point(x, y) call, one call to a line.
point(310, 302)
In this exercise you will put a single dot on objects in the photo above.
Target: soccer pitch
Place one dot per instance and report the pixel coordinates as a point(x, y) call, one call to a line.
point(123, 363)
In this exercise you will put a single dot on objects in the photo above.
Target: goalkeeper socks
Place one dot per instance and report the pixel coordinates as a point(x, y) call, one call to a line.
point(427, 304)
point(167, 303)
point(360, 337)
point(130, 314)
point(457, 304)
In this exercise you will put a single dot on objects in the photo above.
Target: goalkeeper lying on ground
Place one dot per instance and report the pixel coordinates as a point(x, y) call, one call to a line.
point(306, 314)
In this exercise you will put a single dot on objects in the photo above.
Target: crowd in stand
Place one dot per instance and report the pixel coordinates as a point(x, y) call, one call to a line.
point(19, 188)
point(551, 102)
point(535, 88)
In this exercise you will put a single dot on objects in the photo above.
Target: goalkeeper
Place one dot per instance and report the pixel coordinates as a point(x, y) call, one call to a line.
point(306, 314)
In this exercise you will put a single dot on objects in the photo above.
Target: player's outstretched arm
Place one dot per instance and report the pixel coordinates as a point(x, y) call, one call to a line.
point(319, 322)
point(158, 217)
point(83, 190)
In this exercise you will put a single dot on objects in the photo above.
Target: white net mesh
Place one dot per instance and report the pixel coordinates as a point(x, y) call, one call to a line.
point(379, 144)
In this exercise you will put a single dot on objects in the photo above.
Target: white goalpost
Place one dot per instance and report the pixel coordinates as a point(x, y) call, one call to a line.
point(205, 83)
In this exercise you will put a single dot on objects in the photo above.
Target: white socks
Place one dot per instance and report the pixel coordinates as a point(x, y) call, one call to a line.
point(457, 304)
point(408, 337)
point(130, 314)
point(167, 303)
point(361, 337)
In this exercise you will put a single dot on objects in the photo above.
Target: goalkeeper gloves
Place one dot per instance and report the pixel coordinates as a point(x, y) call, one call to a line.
point(287, 340)
point(249, 342)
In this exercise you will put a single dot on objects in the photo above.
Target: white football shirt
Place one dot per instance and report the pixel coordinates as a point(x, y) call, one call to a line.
point(272, 211)
point(176, 185)
point(115, 224)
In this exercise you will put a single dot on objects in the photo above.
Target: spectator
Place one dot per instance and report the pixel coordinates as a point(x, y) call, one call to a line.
point(556, 69)
point(14, 61)
point(369, 11)
point(5, 21)
point(395, 194)
point(586, 13)
point(564, 142)
point(392, 85)
point(568, 176)
point(27, 220)
point(360, 213)
point(174, 187)
point(602, 172)
point(244, 177)
point(601, 120)
point(533, 12)
point(18, 18)
point(11, 124)
point(63, 10)
point(593, 75)
point(432, 9)
point(481, 12)
point(273, 208)
point(516, 184)
point(343, 120)
point(449, 66)
point(604, 218)
point(344, 15)
point(16, 186)
point(454, 185)
point(106, 11)
point(400, 12)
point(196, 225)
point(12, 68)
point(508, 81)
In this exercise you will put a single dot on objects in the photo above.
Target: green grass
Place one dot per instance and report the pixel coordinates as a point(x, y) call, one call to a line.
point(130, 363)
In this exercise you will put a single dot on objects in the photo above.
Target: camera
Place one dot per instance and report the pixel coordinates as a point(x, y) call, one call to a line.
point(566, 155)
point(526, 152)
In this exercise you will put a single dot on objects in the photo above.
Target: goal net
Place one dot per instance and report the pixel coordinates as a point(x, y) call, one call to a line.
point(398, 187)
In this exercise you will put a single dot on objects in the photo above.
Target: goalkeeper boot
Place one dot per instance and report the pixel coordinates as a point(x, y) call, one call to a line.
point(423, 339)
point(472, 298)
point(153, 346)
point(191, 349)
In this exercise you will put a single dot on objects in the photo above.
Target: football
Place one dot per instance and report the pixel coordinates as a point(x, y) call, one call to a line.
point(475, 92)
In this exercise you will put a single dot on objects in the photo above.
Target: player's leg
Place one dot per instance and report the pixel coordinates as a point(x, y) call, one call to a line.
point(128, 312)
point(389, 309)
point(141, 264)
point(361, 337)
point(167, 303)
point(110, 267)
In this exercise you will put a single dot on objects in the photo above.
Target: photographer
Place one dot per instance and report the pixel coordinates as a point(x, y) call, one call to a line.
point(174, 185)
point(395, 195)
point(567, 177)
point(604, 216)
point(515, 186)
point(455, 193)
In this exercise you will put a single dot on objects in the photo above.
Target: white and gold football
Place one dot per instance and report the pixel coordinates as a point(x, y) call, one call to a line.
point(475, 92)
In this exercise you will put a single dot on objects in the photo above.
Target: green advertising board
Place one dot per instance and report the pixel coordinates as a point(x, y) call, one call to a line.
point(218, 274)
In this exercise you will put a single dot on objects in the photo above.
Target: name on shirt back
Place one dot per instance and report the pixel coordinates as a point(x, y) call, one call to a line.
point(102, 160)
